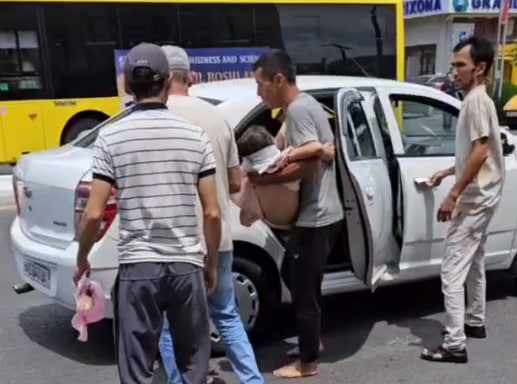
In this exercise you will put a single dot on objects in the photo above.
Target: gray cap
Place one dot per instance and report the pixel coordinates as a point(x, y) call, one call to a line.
point(177, 58)
point(146, 63)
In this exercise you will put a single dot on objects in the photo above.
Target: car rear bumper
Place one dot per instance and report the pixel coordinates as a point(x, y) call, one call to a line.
point(56, 266)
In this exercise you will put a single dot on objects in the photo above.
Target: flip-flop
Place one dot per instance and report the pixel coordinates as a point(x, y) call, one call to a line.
point(294, 371)
point(443, 355)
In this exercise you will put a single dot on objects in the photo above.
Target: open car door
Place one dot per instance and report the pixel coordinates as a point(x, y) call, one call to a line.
point(363, 172)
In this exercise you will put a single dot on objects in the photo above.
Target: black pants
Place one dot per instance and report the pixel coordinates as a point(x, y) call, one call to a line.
point(309, 249)
point(142, 293)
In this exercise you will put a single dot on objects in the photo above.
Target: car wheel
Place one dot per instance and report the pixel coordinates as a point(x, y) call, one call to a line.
point(255, 295)
point(83, 124)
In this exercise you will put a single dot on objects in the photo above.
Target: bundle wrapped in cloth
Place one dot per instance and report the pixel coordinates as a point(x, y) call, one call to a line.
point(90, 306)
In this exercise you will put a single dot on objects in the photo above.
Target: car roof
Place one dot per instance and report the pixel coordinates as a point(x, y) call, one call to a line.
point(239, 88)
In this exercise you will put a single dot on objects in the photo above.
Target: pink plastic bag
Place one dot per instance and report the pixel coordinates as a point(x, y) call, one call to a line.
point(90, 306)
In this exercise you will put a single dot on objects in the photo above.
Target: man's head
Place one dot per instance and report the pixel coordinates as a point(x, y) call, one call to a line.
point(472, 61)
point(146, 73)
point(255, 138)
point(275, 74)
point(179, 64)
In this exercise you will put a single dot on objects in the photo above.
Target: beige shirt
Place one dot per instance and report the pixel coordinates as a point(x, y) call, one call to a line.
point(212, 121)
point(478, 119)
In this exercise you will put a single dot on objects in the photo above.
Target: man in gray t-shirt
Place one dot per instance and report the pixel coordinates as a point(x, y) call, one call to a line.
point(321, 213)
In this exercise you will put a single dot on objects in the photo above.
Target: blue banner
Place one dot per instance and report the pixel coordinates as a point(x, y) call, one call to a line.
point(207, 64)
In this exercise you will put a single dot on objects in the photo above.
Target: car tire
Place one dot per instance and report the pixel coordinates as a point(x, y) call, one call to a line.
point(255, 296)
point(82, 124)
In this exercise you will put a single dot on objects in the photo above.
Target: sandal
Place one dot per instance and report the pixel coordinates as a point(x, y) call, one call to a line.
point(443, 355)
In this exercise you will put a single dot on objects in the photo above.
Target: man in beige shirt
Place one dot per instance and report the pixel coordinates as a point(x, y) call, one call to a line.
point(470, 205)
point(221, 303)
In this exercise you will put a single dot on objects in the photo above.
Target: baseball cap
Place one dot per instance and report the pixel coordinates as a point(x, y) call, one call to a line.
point(146, 63)
point(177, 58)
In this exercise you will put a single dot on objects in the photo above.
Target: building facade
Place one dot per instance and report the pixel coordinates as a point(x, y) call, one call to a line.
point(434, 27)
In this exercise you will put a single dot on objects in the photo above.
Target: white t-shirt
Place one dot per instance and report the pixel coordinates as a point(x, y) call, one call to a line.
point(224, 147)
point(478, 119)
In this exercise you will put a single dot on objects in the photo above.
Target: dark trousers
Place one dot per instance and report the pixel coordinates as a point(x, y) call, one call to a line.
point(142, 293)
point(309, 249)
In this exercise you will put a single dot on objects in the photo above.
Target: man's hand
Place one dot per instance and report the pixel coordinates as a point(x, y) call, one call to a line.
point(210, 278)
point(436, 179)
point(80, 270)
point(446, 208)
point(329, 152)
point(257, 179)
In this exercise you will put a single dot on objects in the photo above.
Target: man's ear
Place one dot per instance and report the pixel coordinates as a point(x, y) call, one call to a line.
point(480, 69)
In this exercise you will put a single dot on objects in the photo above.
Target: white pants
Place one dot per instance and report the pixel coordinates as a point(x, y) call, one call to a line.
point(464, 264)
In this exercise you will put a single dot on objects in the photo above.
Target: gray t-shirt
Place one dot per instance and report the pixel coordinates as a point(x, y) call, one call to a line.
point(319, 200)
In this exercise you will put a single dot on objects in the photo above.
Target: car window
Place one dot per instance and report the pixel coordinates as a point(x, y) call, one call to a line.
point(359, 132)
point(427, 126)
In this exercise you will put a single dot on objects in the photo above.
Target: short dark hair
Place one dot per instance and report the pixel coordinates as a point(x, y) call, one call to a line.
point(481, 50)
point(255, 138)
point(274, 62)
point(142, 87)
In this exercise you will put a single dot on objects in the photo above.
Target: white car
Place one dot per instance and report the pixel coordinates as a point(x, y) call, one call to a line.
point(389, 136)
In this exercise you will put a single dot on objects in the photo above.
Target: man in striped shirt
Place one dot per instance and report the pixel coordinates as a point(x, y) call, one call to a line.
point(158, 163)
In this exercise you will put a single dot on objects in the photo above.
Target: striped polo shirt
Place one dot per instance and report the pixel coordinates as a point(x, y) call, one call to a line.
point(155, 159)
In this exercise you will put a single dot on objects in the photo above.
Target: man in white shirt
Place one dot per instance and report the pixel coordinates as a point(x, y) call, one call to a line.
point(228, 180)
point(471, 203)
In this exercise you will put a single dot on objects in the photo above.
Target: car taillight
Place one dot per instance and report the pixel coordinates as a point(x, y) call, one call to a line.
point(15, 191)
point(82, 194)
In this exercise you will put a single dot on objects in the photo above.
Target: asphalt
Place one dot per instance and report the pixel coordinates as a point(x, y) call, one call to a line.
point(369, 338)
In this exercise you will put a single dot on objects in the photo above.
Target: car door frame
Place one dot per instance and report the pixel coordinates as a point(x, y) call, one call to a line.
point(371, 257)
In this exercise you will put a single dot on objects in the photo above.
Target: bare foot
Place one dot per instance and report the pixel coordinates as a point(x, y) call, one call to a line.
point(295, 352)
point(296, 371)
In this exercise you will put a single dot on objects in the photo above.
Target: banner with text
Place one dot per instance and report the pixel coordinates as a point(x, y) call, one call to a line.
point(206, 64)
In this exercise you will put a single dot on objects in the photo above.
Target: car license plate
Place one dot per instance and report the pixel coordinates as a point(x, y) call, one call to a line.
point(37, 273)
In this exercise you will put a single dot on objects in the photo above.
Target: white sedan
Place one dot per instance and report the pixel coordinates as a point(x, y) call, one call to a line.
point(388, 134)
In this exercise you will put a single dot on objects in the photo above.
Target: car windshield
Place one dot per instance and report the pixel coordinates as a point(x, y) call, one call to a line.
point(87, 140)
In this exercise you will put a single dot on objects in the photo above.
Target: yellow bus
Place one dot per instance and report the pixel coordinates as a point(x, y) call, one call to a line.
point(57, 67)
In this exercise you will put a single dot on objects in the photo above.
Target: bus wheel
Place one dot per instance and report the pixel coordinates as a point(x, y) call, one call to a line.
point(78, 126)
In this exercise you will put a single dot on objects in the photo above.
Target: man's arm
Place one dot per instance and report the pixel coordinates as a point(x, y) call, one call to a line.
point(293, 171)
point(477, 158)
point(234, 171)
point(211, 211)
point(314, 149)
point(92, 217)
point(303, 133)
point(211, 218)
point(103, 179)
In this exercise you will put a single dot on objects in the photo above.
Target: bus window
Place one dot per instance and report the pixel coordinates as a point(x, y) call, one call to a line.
point(155, 23)
point(81, 40)
point(21, 72)
point(351, 40)
point(213, 26)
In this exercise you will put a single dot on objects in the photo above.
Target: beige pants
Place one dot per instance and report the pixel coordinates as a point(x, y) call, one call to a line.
point(464, 265)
